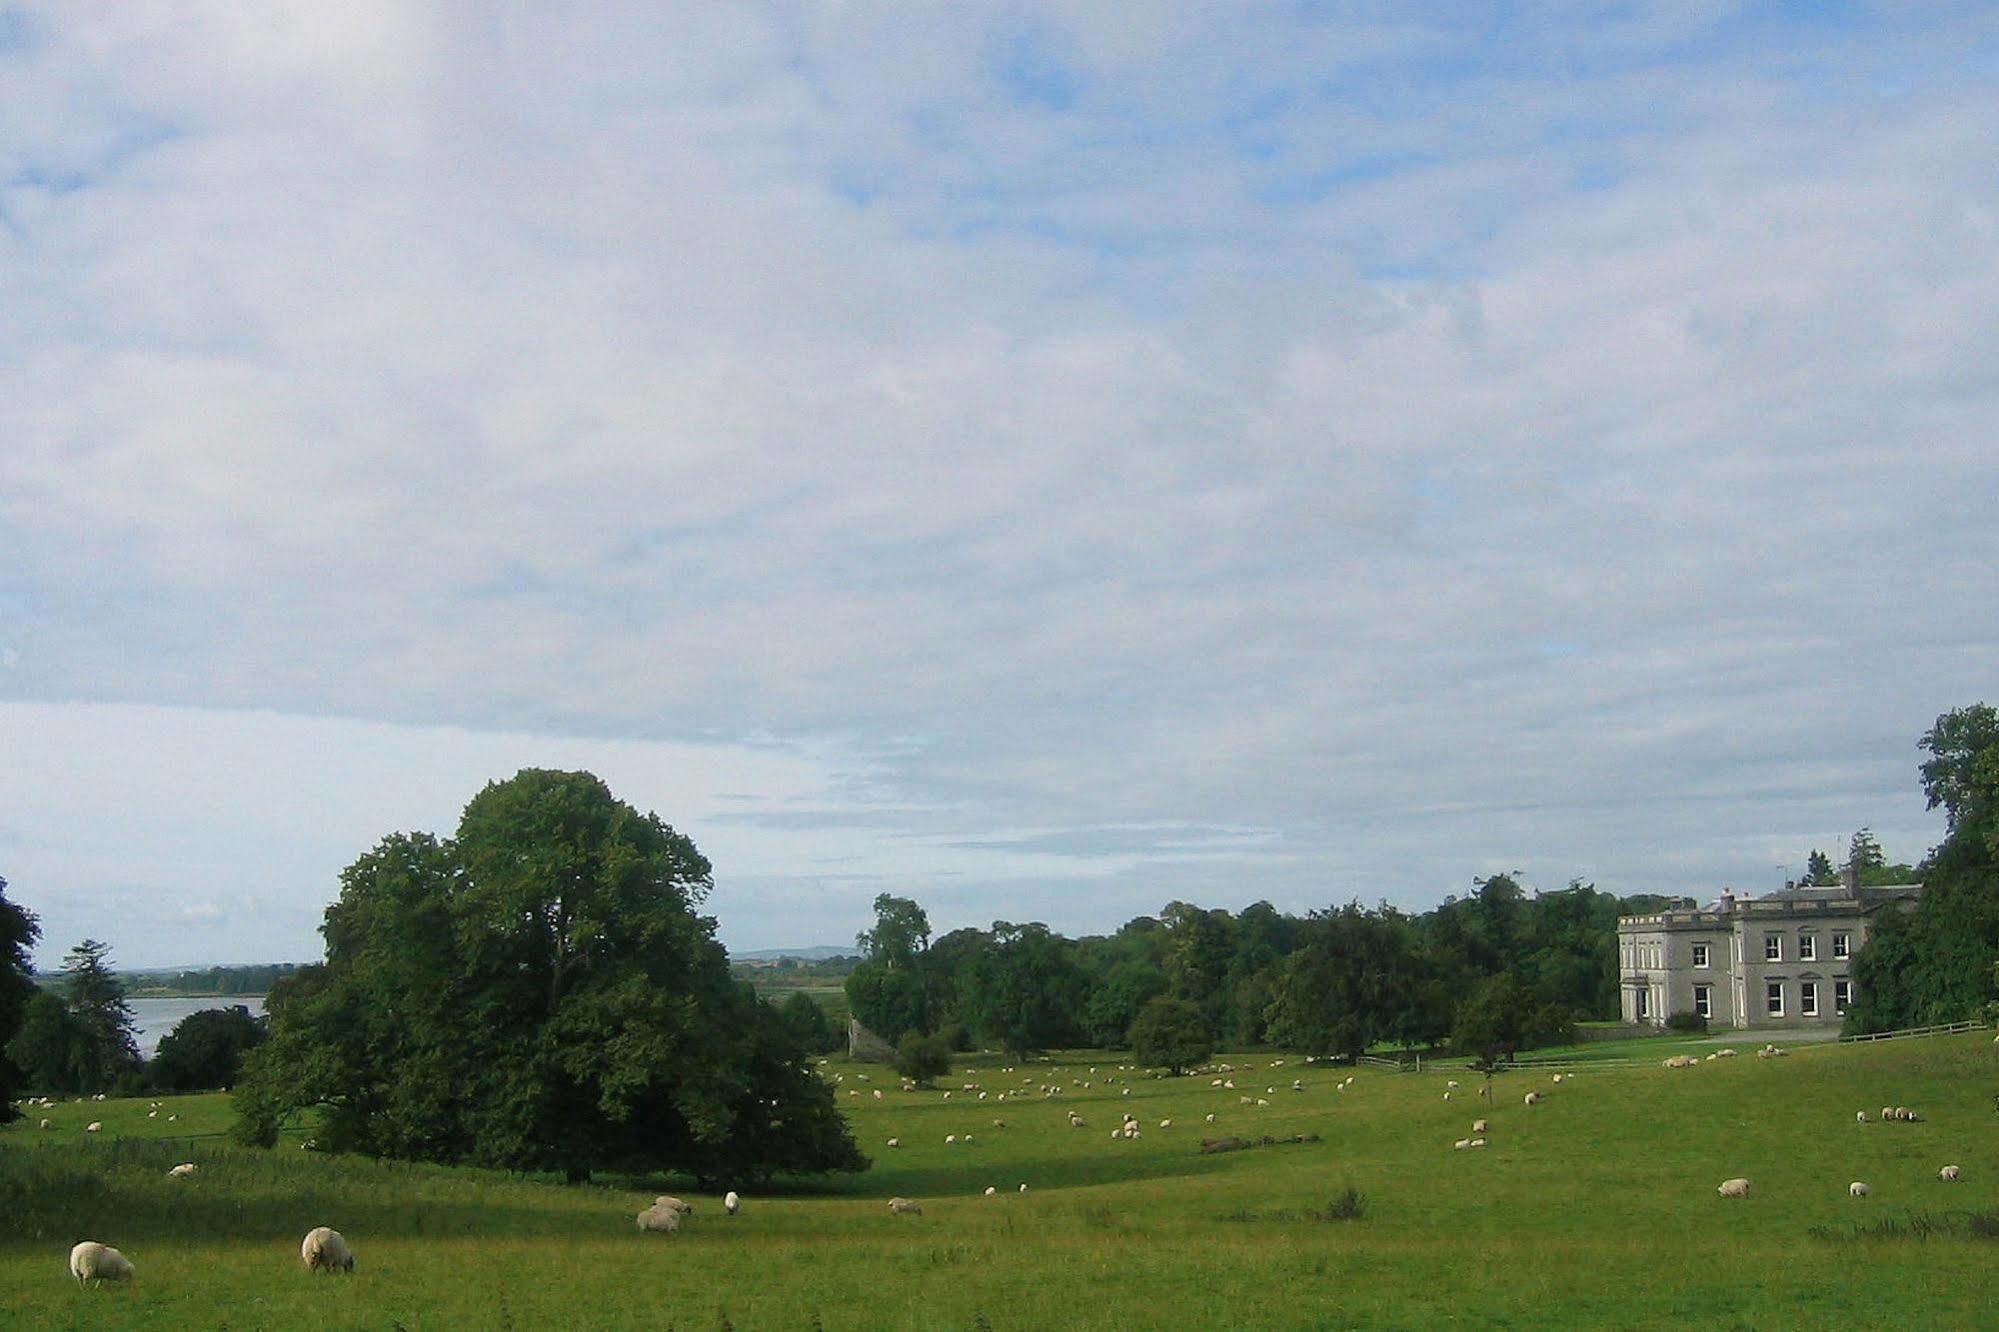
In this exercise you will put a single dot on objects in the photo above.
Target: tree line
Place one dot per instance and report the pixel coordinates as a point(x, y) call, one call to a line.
point(1497, 968)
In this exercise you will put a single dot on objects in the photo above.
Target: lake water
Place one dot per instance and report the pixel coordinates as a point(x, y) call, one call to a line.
point(154, 1018)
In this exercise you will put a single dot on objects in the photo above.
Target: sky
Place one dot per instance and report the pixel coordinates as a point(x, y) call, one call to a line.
point(1046, 460)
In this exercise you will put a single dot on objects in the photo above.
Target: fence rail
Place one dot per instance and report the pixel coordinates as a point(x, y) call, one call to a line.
point(1945, 1029)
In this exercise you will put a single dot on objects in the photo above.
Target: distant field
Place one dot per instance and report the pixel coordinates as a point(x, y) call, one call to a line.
point(1595, 1208)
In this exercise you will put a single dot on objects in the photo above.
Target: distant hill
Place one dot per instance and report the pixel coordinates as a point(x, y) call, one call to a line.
point(820, 954)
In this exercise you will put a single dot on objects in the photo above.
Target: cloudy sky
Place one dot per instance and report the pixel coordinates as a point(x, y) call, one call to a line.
point(1046, 460)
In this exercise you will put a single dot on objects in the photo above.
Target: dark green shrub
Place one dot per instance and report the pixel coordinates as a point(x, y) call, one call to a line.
point(1687, 1022)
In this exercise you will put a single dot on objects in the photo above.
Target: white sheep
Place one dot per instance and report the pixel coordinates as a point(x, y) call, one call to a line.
point(1023, 1187)
point(91, 1261)
point(1481, 1126)
point(991, 1190)
point(1211, 1116)
point(1452, 1084)
point(92, 1127)
point(1949, 1174)
point(1531, 1098)
point(1860, 1116)
point(1166, 1123)
point(48, 1123)
point(672, 1204)
point(1461, 1144)
point(181, 1171)
point(950, 1138)
point(904, 1207)
point(731, 1202)
point(659, 1220)
point(324, 1248)
point(1734, 1188)
point(1856, 1189)
point(1478, 1142)
point(895, 1142)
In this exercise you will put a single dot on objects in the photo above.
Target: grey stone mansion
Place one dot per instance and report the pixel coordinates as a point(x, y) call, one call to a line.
point(1780, 961)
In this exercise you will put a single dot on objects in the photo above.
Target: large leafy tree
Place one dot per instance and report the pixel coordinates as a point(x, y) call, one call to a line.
point(96, 998)
point(1933, 963)
point(539, 993)
point(1025, 991)
point(1349, 983)
point(18, 932)
point(1170, 1033)
point(205, 1049)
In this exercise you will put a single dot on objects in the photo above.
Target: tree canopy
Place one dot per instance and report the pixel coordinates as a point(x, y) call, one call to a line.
point(538, 993)
point(18, 932)
point(205, 1049)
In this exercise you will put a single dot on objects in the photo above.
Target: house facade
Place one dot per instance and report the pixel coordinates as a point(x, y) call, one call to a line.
point(1775, 962)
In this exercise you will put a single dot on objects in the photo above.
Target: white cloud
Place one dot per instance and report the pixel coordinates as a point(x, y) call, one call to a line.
point(1349, 432)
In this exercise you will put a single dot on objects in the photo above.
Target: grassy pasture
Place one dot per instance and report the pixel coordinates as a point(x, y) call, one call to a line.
point(1595, 1208)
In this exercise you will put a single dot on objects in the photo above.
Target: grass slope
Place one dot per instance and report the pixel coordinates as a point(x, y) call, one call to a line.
point(1594, 1208)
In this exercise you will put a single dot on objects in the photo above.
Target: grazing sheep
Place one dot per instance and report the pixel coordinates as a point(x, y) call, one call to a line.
point(1478, 1142)
point(1452, 1084)
point(91, 1261)
point(181, 1171)
point(1447, 1096)
point(904, 1207)
point(92, 1127)
point(1461, 1144)
point(672, 1204)
point(1887, 1113)
point(950, 1138)
point(895, 1142)
point(1734, 1188)
point(1166, 1123)
point(731, 1203)
point(660, 1220)
point(1949, 1174)
point(1211, 1116)
point(323, 1247)
point(1856, 1190)
point(991, 1190)
point(48, 1123)
point(1531, 1098)
point(1023, 1187)
point(1860, 1116)
point(1481, 1126)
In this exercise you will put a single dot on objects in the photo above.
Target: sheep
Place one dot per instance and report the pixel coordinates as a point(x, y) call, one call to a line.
point(672, 1204)
point(895, 1142)
point(181, 1171)
point(1166, 1123)
point(1461, 1144)
point(1023, 1187)
point(1211, 1116)
point(1949, 1174)
point(1887, 1113)
point(48, 1123)
point(950, 1138)
point(91, 1261)
point(1734, 1188)
point(1452, 1084)
point(660, 1220)
point(93, 1126)
point(1531, 1098)
point(1478, 1142)
point(991, 1190)
point(1480, 1126)
point(323, 1247)
point(1860, 1116)
point(1856, 1189)
point(1447, 1096)
point(904, 1207)
point(999, 1123)
point(731, 1202)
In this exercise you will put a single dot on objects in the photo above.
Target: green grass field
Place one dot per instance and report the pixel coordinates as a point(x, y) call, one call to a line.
point(1594, 1208)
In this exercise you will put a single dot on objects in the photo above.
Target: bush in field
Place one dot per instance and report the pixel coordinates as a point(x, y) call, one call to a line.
point(1686, 1022)
point(1170, 1033)
point(539, 994)
point(922, 1059)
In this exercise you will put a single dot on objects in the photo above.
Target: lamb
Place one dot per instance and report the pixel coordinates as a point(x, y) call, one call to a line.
point(1856, 1189)
point(91, 1261)
point(1734, 1188)
point(323, 1247)
point(1949, 1174)
point(731, 1203)
point(660, 1220)
point(904, 1207)
point(181, 1171)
